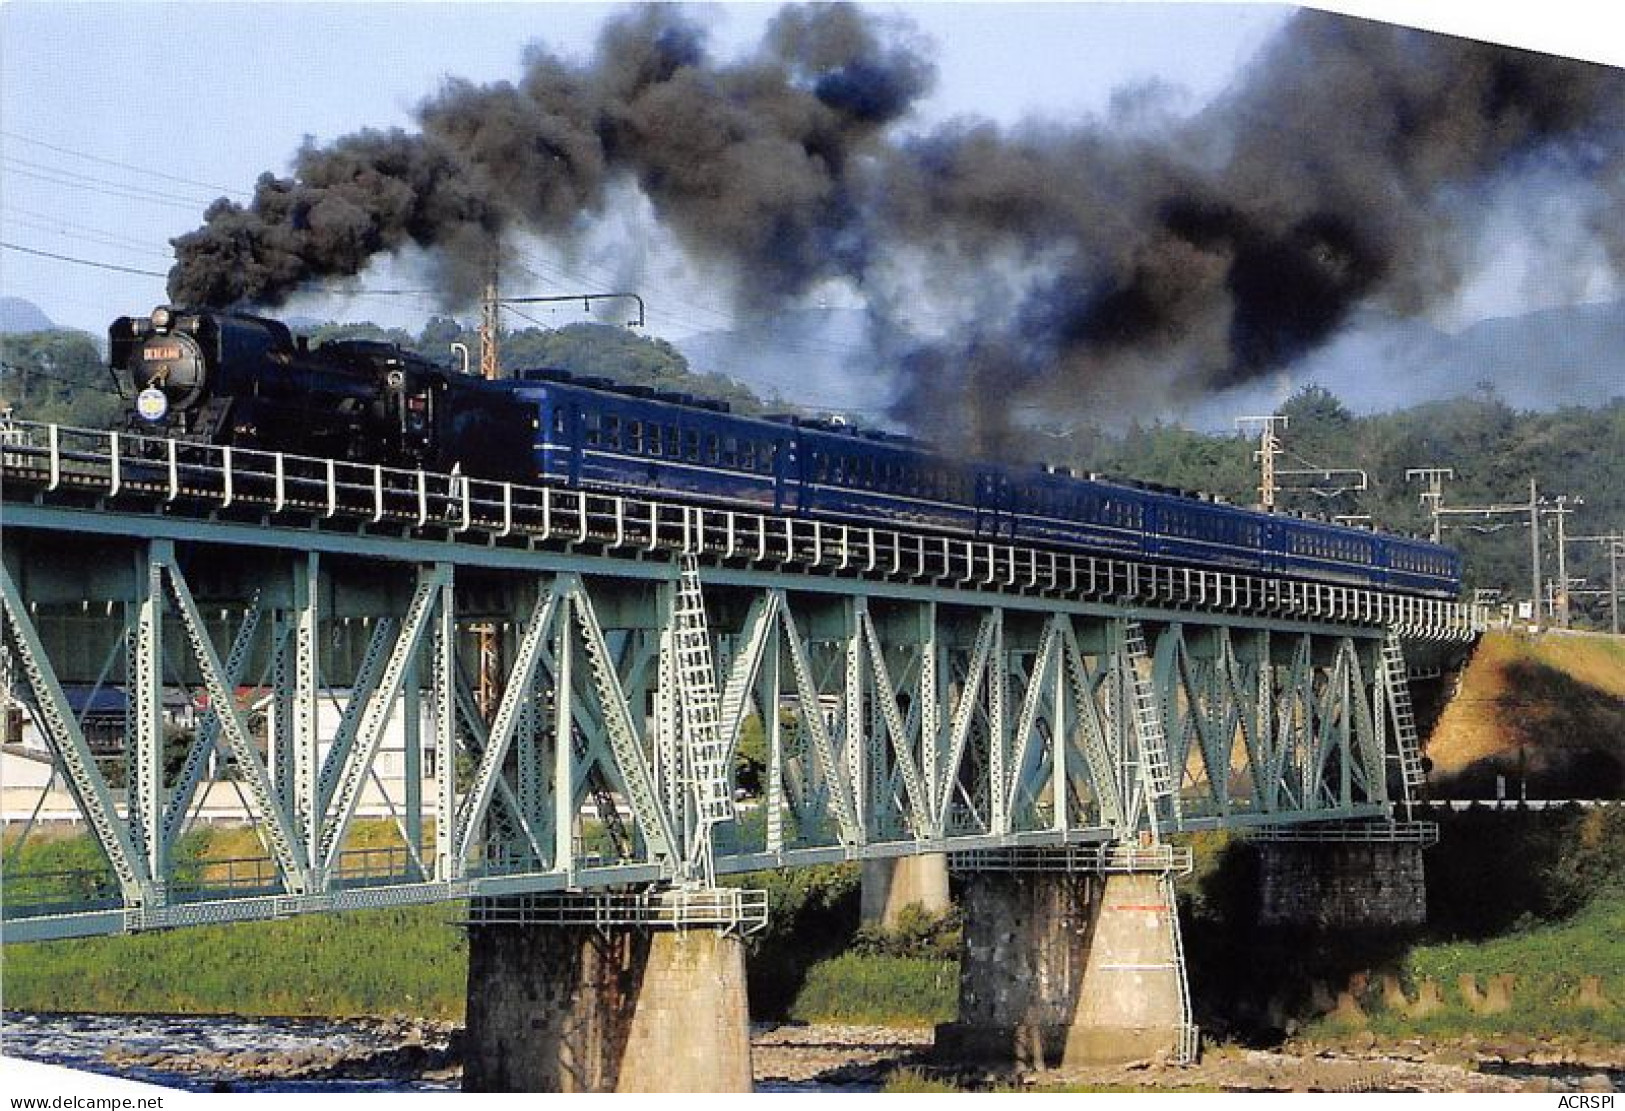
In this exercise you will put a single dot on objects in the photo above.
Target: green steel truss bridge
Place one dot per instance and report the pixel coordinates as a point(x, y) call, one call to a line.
point(912, 693)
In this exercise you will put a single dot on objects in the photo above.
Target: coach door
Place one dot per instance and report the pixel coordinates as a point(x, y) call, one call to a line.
point(787, 476)
point(566, 441)
point(993, 508)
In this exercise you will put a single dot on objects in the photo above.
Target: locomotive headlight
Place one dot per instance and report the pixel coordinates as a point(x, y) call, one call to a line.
point(161, 317)
point(395, 379)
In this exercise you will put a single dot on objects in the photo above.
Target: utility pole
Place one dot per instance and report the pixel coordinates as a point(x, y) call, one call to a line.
point(1616, 551)
point(489, 322)
point(1534, 552)
point(1433, 496)
point(1269, 446)
point(488, 692)
point(1562, 510)
point(1531, 507)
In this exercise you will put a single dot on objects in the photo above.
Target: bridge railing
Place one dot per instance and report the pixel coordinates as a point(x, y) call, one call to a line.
point(45, 891)
point(58, 462)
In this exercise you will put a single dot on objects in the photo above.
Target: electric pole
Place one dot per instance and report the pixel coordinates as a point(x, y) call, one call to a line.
point(488, 691)
point(1531, 507)
point(1562, 510)
point(489, 323)
point(1433, 496)
point(1534, 552)
point(1269, 446)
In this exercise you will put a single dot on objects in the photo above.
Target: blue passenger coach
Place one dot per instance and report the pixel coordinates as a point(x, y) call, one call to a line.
point(592, 434)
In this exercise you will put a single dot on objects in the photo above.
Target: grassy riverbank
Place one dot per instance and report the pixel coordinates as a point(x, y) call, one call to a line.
point(877, 989)
point(407, 960)
point(1547, 964)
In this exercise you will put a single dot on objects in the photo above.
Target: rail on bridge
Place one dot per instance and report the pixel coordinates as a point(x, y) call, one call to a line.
point(912, 693)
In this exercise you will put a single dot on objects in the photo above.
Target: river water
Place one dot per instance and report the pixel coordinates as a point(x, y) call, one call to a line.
point(81, 1042)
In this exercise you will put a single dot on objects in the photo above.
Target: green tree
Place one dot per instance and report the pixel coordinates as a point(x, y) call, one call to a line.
point(58, 377)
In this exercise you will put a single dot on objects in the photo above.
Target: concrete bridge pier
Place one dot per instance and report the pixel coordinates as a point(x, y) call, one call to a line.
point(558, 1007)
point(891, 885)
point(1070, 968)
point(1334, 881)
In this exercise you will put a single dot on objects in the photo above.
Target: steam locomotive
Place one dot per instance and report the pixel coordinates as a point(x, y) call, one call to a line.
point(229, 378)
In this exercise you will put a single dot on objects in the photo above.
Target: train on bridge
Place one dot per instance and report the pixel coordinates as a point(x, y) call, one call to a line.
point(225, 378)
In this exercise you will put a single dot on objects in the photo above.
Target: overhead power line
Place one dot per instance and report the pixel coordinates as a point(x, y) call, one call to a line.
point(147, 171)
point(108, 189)
point(57, 220)
point(61, 231)
point(82, 261)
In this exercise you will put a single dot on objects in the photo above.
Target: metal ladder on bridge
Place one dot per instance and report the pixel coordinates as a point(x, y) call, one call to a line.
point(1147, 718)
point(1396, 687)
point(1189, 1039)
point(705, 755)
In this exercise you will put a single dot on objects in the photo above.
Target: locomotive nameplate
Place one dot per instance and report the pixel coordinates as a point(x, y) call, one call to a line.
point(158, 354)
point(151, 404)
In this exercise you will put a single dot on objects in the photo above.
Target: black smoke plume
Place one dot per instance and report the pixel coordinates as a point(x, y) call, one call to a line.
point(1064, 268)
point(748, 163)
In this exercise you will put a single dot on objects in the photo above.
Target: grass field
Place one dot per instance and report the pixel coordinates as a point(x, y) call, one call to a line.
point(1547, 960)
point(879, 990)
point(1549, 711)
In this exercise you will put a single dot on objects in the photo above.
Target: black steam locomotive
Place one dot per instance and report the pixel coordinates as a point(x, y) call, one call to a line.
point(226, 378)
point(230, 378)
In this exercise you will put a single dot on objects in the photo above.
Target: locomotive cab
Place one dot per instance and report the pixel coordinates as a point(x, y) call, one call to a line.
point(405, 415)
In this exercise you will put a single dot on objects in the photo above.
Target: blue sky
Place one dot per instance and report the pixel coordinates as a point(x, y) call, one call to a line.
point(122, 121)
point(185, 102)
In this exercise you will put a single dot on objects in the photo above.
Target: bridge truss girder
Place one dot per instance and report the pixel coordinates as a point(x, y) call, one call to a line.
point(893, 720)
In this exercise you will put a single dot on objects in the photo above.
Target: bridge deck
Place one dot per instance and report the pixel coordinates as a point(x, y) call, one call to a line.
point(58, 466)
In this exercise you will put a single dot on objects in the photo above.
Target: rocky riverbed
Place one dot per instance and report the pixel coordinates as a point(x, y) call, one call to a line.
point(238, 1054)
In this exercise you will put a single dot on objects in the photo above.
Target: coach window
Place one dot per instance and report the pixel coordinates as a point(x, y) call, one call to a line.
point(612, 432)
point(634, 437)
point(593, 423)
point(730, 451)
point(653, 444)
point(558, 421)
point(674, 446)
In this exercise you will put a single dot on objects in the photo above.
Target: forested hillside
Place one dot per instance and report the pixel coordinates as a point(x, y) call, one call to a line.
point(57, 376)
point(1493, 450)
point(595, 349)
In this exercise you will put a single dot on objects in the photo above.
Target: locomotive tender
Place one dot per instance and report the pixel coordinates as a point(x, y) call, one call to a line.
point(228, 378)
